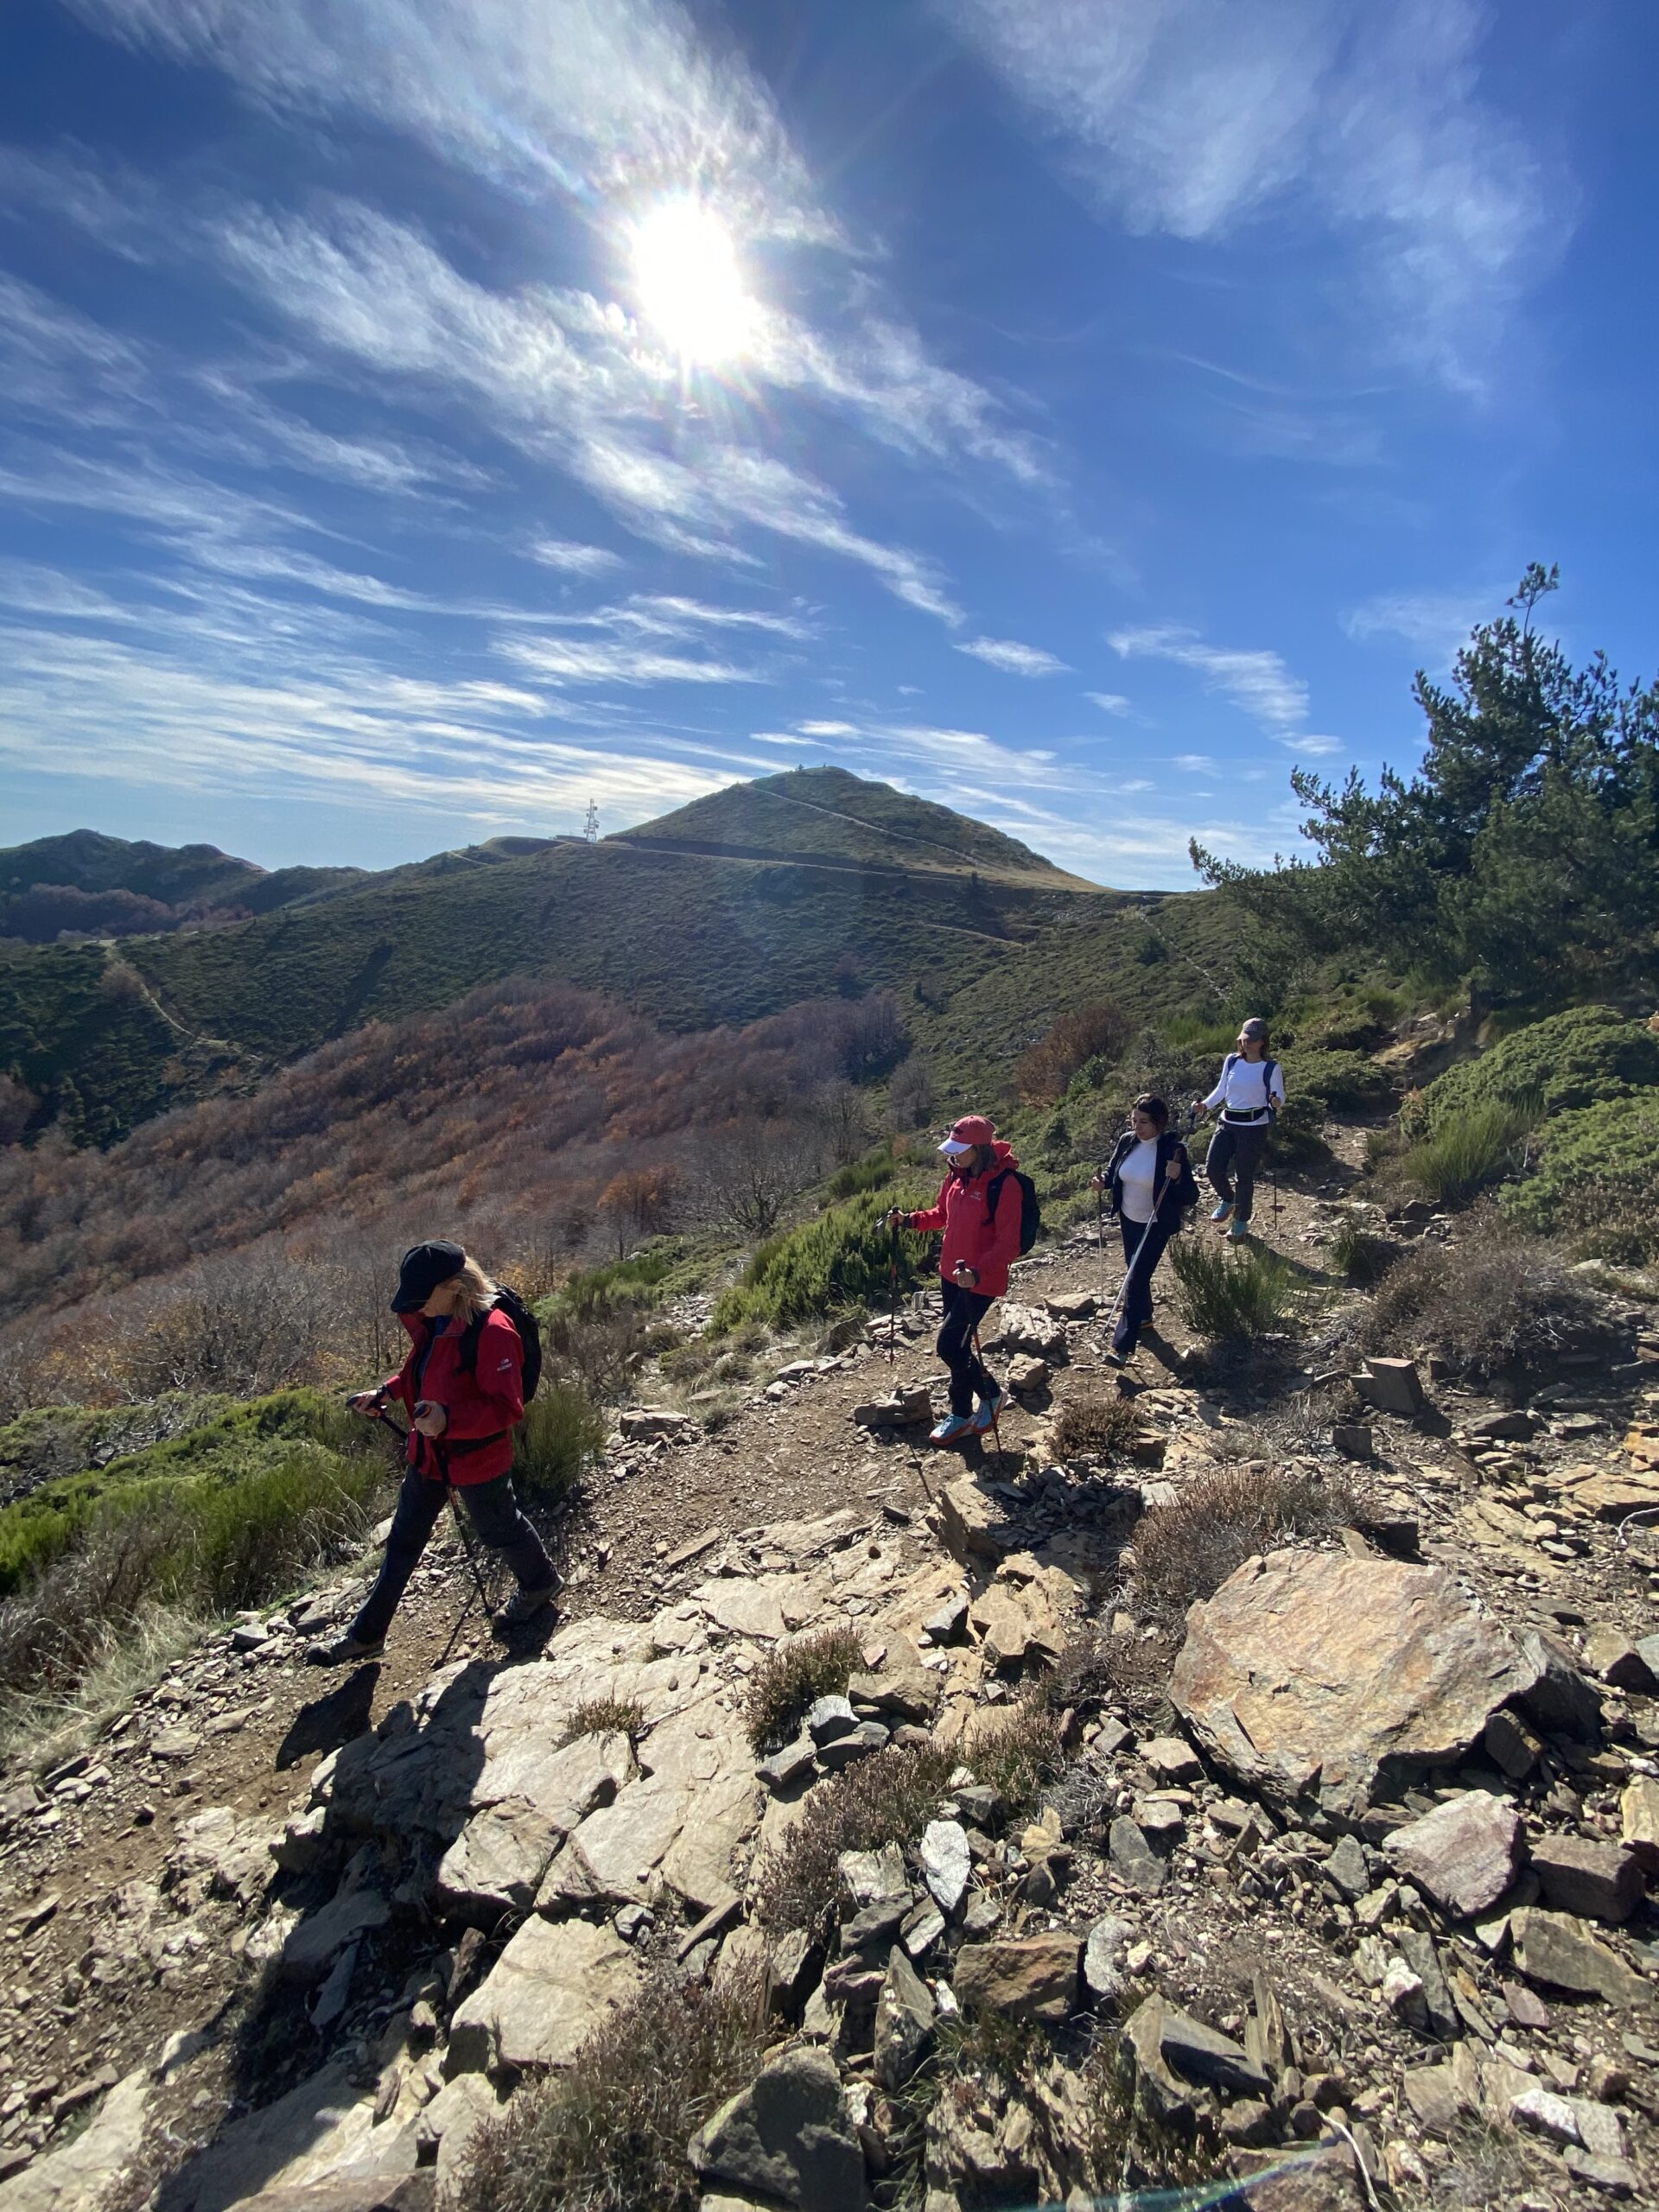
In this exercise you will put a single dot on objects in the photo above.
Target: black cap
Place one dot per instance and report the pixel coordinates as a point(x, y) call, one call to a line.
point(424, 1267)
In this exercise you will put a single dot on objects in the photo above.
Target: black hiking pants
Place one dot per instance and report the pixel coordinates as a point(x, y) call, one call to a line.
point(493, 1511)
point(1146, 1239)
point(1235, 1153)
point(963, 1311)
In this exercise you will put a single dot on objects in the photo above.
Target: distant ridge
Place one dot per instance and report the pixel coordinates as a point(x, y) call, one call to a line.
point(176, 875)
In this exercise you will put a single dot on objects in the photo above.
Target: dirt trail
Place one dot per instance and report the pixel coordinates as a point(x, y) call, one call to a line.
point(244, 1730)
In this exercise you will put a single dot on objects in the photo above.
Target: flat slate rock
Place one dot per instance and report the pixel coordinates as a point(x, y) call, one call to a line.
point(547, 1990)
point(1463, 1854)
point(788, 2138)
point(1311, 1671)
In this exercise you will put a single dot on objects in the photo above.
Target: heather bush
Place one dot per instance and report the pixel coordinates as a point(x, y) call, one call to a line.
point(1185, 1550)
point(1496, 1301)
point(792, 1678)
point(843, 1258)
point(1597, 1180)
point(560, 1437)
point(609, 2132)
point(1582, 1058)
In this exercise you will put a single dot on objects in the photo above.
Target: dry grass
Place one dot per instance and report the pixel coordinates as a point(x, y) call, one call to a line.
point(1186, 1550)
point(1095, 1427)
point(888, 1798)
point(1495, 1300)
point(609, 2133)
point(788, 1680)
point(606, 1716)
point(1359, 1255)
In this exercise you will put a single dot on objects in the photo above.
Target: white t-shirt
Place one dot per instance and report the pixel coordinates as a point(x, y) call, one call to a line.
point(1243, 1089)
point(1139, 1176)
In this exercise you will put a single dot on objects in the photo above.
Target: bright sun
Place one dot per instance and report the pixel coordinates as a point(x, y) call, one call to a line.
point(689, 286)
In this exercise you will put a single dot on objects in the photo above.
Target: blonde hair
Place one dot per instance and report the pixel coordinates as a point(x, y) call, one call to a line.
point(474, 1292)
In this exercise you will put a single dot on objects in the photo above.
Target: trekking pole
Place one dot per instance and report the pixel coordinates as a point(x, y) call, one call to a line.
point(995, 1431)
point(1100, 1236)
point(893, 1292)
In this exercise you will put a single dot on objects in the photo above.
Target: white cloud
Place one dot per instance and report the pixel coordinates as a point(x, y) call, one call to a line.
point(1192, 764)
point(1321, 748)
point(1433, 623)
point(1365, 122)
point(1109, 702)
point(827, 730)
point(573, 560)
point(1256, 680)
point(1015, 660)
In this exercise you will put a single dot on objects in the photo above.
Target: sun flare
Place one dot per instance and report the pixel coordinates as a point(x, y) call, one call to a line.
point(689, 283)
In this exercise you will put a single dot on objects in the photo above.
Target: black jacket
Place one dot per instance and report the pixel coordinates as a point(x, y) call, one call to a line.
point(1170, 1147)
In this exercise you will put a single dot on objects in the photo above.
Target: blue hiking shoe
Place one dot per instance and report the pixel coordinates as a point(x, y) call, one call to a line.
point(1239, 1233)
point(951, 1429)
point(985, 1415)
point(1222, 1213)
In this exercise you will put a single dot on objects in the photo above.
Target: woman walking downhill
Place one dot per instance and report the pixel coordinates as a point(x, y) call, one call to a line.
point(1250, 1093)
point(1149, 1178)
point(979, 1210)
point(463, 1387)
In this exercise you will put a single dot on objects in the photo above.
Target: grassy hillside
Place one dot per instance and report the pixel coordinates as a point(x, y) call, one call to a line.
point(827, 814)
point(876, 890)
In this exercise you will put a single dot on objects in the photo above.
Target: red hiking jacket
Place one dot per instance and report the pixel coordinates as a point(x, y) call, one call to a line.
point(989, 1244)
point(484, 1402)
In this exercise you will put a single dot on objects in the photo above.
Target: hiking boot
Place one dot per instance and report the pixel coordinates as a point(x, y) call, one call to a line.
point(951, 1429)
point(1223, 1212)
point(343, 1651)
point(523, 1605)
point(983, 1417)
point(1239, 1232)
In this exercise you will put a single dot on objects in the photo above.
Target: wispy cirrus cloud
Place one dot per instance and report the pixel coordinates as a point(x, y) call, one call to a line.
point(1013, 658)
point(1365, 123)
point(1256, 680)
point(1109, 702)
point(572, 559)
point(1433, 623)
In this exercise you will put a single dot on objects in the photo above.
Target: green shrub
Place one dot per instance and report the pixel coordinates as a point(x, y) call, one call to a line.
point(789, 1680)
point(609, 2132)
point(206, 1542)
point(1228, 1292)
point(561, 1436)
point(1465, 1154)
point(1346, 1080)
point(1582, 1058)
point(219, 1455)
point(872, 1173)
point(1598, 1180)
point(840, 1259)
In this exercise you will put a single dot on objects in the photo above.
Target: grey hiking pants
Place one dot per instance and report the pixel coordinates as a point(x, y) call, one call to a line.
point(1235, 1152)
point(493, 1511)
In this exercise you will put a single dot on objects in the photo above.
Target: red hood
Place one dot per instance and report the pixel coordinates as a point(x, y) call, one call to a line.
point(1001, 1157)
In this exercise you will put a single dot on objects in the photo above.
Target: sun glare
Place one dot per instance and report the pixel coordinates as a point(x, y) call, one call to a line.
point(689, 284)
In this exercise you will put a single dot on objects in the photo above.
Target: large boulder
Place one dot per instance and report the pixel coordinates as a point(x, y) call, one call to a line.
point(1310, 1672)
point(788, 2138)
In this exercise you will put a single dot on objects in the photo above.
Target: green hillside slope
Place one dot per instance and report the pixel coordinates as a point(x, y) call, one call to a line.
point(669, 921)
point(827, 814)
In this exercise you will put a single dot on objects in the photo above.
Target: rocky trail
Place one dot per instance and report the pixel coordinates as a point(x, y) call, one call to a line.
point(1348, 1873)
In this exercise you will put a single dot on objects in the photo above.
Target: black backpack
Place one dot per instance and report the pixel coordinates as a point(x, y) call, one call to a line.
point(529, 1336)
point(1031, 1214)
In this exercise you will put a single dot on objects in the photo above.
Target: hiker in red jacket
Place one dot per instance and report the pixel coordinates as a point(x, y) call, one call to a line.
point(980, 1218)
point(463, 1410)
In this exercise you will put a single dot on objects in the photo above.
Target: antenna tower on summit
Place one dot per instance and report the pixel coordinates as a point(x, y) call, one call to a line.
point(590, 829)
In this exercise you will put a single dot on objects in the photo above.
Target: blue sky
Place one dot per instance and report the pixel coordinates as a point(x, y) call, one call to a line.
point(417, 419)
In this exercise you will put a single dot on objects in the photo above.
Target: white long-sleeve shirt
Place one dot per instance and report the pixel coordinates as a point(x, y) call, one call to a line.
point(1245, 1090)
